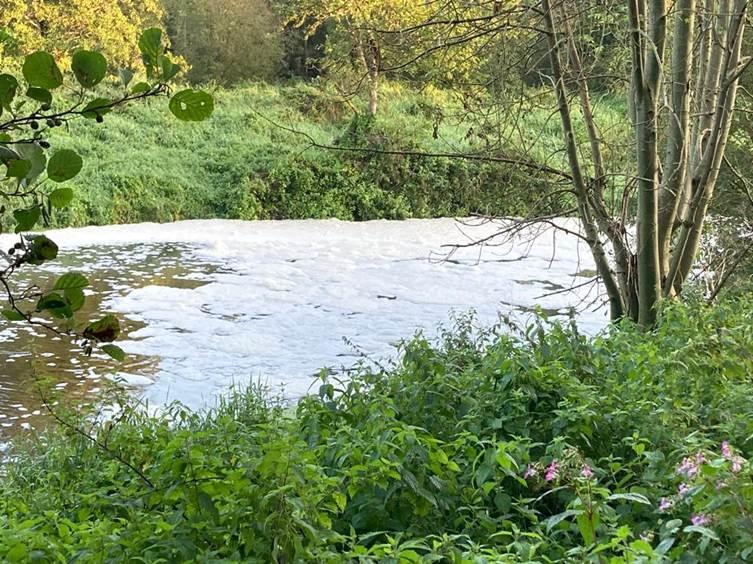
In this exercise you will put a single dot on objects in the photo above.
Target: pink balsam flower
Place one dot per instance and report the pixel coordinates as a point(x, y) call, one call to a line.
point(665, 504)
point(700, 519)
point(552, 471)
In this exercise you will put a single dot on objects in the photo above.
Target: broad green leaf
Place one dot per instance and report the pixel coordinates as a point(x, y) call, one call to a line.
point(642, 546)
point(169, 69)
point(12, 315)
point(637, 498)
point(17, 553)
point(19, 168)
point(8, 88)
point(56, 304)
point(150, 45)
point(64, 165)
point(114, 352)
point(36, 155)
point(97, 107)
point(7, 154)
point(192, 105)
point(41, 249)
point(555, 520)
point(27, 219)
point(704, 531)
point(89, 67)
point(140, 88)
point(51, 301)
point(341, 500)
point(106, 330)
point(665, 545)
point(40, 69)
point(71, 280)
point(39, 94)
point(61, 197)
point(75, 298)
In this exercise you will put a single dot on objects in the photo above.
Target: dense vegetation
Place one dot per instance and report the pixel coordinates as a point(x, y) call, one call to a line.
point(509, 445)
point(244, 164)
point(539, 447)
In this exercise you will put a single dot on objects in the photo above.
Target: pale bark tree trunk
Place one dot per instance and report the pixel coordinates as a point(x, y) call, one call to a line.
point(678, 131)
point(673, 199)
point(368, 52)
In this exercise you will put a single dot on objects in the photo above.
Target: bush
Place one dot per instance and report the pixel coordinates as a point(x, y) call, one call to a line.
point(538, 446)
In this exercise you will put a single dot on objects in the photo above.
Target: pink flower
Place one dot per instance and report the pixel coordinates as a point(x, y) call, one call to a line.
point(552, 471)
point(587, 472)
point(665, 504)
point(700, 519)
point(726, 450)
point(690, 465)
point(683, 489)
point(737, 464)
point(530, 472)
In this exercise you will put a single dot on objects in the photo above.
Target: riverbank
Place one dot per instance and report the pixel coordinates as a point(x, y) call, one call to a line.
point(546, 447)
point(254, 160)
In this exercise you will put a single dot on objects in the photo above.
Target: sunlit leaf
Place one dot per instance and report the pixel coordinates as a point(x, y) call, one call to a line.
point(61, 198)
point(64, 165)
point(89, 67)
point(114, 352)
point(71, 280)
point(40, 69)
point(192, 105)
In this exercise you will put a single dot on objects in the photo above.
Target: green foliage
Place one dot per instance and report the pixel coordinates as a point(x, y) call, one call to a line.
point(542, 447)
point(25, 141)
point(241, 165)
point(226, 42)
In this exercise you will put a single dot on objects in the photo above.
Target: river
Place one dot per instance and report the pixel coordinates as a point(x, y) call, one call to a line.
point(208, 304)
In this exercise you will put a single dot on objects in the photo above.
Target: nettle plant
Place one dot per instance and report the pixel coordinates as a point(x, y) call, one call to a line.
point(33, 186)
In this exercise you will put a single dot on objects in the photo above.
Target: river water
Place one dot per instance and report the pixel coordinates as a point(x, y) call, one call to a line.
point(209, 304)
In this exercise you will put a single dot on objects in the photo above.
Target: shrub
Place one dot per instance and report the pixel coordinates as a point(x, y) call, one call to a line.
point(542, 445)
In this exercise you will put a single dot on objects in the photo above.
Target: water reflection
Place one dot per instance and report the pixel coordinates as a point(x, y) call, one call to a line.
point(29, 355)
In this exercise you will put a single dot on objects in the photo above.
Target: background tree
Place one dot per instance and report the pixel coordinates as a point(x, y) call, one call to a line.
point(112, 28)
point(684, 72)
point(227, 41)
point(359, 37)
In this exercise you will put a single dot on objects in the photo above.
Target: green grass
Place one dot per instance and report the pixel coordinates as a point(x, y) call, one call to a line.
point(142, 165)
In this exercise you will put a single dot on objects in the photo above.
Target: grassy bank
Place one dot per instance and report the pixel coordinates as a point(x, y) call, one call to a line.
point(543, 447)
point(143, 166)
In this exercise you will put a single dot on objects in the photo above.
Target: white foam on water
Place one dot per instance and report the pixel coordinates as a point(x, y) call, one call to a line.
point(285, 294)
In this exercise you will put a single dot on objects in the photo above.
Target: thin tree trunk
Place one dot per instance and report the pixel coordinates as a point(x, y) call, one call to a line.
point(707, 171)
point(606, 223)
point(647, 43)
point(368, 51)
point(616, 303)
point(676, 158)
